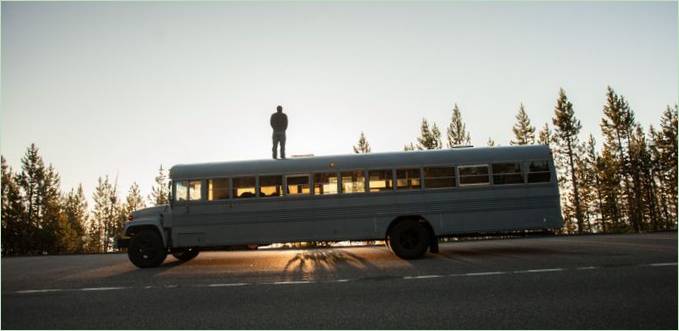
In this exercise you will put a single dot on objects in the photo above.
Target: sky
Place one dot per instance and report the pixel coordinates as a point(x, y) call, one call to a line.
point(119, 88)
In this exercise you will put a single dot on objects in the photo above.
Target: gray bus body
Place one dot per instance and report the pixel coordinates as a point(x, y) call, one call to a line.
point(472, 198)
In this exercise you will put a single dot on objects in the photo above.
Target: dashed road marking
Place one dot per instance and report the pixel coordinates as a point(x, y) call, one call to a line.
point(587, 268)
point(292, 282)
point(489, 273)
point(296, 282)
point(228, 285)
point(40, 291)
point(422, 277)
point(103, 288)
point(537, 270)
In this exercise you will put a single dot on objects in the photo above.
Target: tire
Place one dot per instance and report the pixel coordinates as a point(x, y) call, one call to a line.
point(185, 254)
point(409, 239)
point(146, 249)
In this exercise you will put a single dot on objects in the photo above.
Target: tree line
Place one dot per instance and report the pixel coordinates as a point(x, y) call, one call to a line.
point(38, 218)
point(630, 185)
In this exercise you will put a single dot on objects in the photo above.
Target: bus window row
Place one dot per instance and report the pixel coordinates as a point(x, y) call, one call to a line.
point(359, 181)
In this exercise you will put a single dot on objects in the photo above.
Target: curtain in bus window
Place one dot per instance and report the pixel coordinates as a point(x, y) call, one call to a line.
point(181, 190)
point(538, 171)
point(297, 185)
point(470, 175)
point(353, 181)
point(218, 189)
point(407, 179)
point(270, 186)
point(325, 183)
point(380, 180)
point(507, 173)
point(439, 177)
point(194, 190)
point(244, 187)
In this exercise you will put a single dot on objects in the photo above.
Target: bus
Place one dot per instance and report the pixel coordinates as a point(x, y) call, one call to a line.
point(408, 199)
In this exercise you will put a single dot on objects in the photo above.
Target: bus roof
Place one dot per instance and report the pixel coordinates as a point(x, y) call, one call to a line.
point(386, 160)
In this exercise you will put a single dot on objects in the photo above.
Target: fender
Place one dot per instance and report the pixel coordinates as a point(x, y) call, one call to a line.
point(147, 221)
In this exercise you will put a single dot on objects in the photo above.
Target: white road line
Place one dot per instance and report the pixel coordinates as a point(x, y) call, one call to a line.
point(537, 270)
point(102, 288)
point(170, 286)
point(341, 280)
point(422, 277)
point(489, 273)
point(40, 291)
point(666, 264)
point(293, 282)
point(587, 268)
point(228, 285)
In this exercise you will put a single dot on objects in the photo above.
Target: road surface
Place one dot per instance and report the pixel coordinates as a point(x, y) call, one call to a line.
point(580, 282)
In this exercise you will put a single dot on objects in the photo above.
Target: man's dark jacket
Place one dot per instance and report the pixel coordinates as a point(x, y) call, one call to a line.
point(279, 122)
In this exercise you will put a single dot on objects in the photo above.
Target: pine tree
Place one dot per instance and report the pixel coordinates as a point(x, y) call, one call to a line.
point(545, 135)
point(363, 146)
point(566, 131)
point(490, 142)
point(524, 132)
point(53, 224)
point(665, 156)
point(592, 178)
point(160, 190)
point(457, 131)
point(617, 126)
point(429, 138)
point(30, 179)
point(409, 147)
point(106, 217)
point(75, 210)
point(647, 201)
point(134, 200)
point(13, 214)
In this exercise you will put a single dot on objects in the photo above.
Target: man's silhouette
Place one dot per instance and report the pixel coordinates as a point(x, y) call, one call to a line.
point(279, 122)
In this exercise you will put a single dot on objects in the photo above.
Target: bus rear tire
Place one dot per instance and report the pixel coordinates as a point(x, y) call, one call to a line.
point(409, 239)
point(185, 254)
point(146, 249)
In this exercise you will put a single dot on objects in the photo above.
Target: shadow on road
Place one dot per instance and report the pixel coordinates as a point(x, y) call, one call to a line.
point(325, 261)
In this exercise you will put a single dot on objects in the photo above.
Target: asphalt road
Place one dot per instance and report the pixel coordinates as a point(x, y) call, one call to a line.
point(585, 282)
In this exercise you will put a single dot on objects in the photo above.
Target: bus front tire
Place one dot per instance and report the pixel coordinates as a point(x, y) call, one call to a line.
point(185, 254)
point(146, 249)
point(409, 239)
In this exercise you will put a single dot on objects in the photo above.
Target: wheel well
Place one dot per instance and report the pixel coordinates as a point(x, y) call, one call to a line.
point(134, 230)
point(418, 218)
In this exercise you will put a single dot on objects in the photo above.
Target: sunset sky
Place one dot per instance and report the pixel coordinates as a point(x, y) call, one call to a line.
point(120, 88)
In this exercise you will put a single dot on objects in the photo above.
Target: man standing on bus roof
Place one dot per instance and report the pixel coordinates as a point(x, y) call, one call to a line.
point(279, 123)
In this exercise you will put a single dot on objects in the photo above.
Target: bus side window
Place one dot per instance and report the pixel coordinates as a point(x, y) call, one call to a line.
point(195, 193)
point(181, 190)
point(507, 173)
point(297, 185)
point(408, 179)
point(439, 177)
point(474, 175)
point(380, 180)
point(217, 189)
point(325, 183)
point(243, 187)
point(270, 186)
point(538, 172)
point(353, 181)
